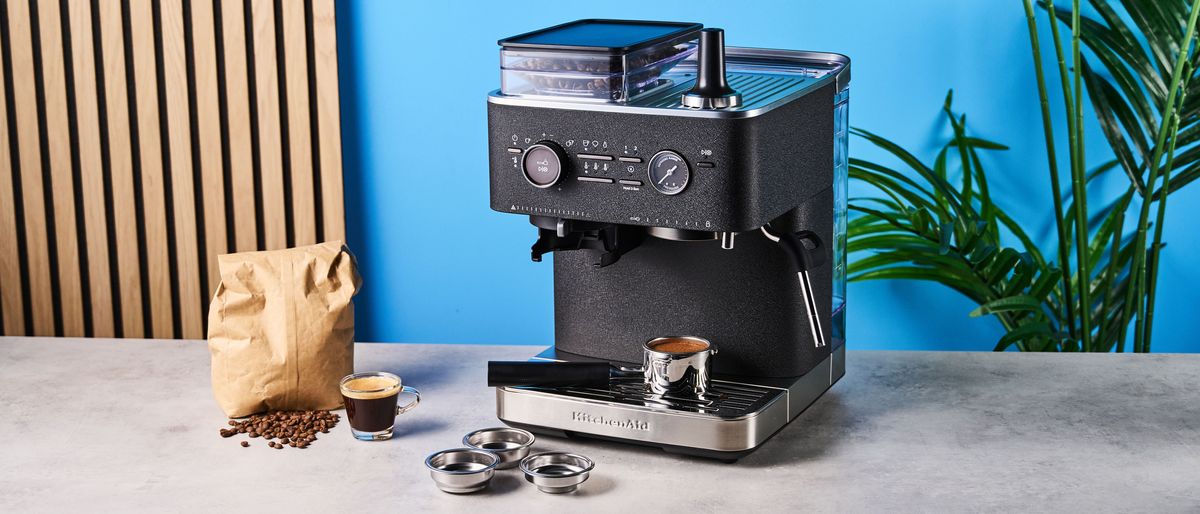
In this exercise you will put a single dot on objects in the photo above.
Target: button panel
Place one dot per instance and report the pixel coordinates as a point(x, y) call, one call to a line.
point(546, 162)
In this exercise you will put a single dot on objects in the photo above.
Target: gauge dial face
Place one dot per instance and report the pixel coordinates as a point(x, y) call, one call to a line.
point(668, 172)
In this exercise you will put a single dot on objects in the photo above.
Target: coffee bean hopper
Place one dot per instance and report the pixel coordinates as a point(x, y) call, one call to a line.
point(683, 188)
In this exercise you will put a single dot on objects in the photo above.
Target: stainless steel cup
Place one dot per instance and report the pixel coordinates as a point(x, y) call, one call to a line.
point(462, 470)
point(679, 365)
point(510, 444)
point(556, 472)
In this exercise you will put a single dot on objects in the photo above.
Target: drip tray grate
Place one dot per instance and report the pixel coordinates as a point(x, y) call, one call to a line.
point(725, 400)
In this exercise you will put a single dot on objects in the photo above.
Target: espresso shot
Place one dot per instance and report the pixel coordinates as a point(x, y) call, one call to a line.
point(371, 401)
point(679, 345)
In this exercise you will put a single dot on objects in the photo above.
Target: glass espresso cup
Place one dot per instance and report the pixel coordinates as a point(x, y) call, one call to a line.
point(371, 400)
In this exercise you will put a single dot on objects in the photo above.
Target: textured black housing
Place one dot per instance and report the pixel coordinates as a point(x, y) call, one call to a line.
point(763, 165)
point(768, 167)
point(746, 300)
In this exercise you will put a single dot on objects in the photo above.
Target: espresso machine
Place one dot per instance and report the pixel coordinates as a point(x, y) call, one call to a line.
point(683, 188)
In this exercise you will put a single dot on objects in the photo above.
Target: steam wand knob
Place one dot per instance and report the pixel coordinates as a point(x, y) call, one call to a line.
point(711, 91)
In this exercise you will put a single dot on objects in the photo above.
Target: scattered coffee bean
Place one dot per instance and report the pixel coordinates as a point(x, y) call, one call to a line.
point(297, 429)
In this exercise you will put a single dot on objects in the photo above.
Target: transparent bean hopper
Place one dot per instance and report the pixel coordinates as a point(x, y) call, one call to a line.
point(595, 60)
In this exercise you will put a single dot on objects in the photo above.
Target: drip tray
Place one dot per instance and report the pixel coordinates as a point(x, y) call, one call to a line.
point(726, 400)
point(729, 423)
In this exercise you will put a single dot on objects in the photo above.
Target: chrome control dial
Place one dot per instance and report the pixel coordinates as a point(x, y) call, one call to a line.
point(542, 164)
point(668, 172)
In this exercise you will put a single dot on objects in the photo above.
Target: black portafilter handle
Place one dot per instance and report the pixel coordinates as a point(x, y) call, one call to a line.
point(712, 90)
point(549, 374)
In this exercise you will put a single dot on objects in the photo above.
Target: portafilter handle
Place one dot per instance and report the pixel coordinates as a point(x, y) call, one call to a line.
point(554, 374)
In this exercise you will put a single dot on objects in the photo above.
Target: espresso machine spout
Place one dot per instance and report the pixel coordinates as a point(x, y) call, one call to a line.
point(727, 240)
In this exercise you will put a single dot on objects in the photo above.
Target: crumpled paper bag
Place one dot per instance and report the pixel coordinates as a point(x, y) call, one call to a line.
point(281, 328)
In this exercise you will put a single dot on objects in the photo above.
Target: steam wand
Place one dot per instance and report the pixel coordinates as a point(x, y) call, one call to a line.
point(804, 259)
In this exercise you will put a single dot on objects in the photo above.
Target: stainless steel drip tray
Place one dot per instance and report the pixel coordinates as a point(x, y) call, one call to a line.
point(737, 418)
point(728, 400)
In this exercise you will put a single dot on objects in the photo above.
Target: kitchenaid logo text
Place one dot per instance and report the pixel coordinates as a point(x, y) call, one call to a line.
point(619, 423)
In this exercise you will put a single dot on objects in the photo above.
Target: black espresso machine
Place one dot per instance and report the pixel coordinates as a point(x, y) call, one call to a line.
point(684, 188)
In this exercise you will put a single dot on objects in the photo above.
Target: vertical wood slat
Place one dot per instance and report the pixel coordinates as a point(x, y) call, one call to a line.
point(154, 224)
point(270, 153)
point(295, 45)
point(124, 216)
point(12, 304)
point(175, 86)
point(208, 126)
point(95, 217)
point(37, 253)
point(328, 114)
point(62, 182)
point(125, 205)
point(237, 114)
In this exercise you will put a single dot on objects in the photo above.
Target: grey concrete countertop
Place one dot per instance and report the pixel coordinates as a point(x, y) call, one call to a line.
point(130, 425)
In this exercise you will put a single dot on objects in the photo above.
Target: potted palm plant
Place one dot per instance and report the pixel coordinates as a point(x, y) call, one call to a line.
point(1095, 292)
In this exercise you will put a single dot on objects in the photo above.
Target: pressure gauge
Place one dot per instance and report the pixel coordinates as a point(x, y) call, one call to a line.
point(668, 172)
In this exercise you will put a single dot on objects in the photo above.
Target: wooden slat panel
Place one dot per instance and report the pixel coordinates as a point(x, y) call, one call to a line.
point(124, 217)
point(183, 192)
point(37, 253)
point(329, 127)
point(216, 153)
point(208, 125)
point(62, 180)
point(237, 94)
point(141, 21)
point(95, 218)
point(12, 303)
point(270, 150)
point(295, 47)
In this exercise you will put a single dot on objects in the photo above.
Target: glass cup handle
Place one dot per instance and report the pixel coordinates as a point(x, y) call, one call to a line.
point(401, 409)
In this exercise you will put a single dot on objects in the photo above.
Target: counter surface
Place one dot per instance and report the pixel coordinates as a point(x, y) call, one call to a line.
point(131, 425)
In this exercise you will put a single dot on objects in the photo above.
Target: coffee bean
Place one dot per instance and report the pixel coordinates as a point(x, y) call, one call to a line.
point(297, 429)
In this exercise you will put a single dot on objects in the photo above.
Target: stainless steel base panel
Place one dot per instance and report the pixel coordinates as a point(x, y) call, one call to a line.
point(736, 419)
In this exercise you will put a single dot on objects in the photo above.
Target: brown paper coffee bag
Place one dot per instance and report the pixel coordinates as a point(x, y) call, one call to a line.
point(281, 329)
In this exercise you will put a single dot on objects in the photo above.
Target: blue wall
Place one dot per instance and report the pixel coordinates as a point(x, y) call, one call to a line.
point(440, 266)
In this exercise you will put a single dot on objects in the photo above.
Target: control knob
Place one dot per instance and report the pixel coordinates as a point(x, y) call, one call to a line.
point(542, 164)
